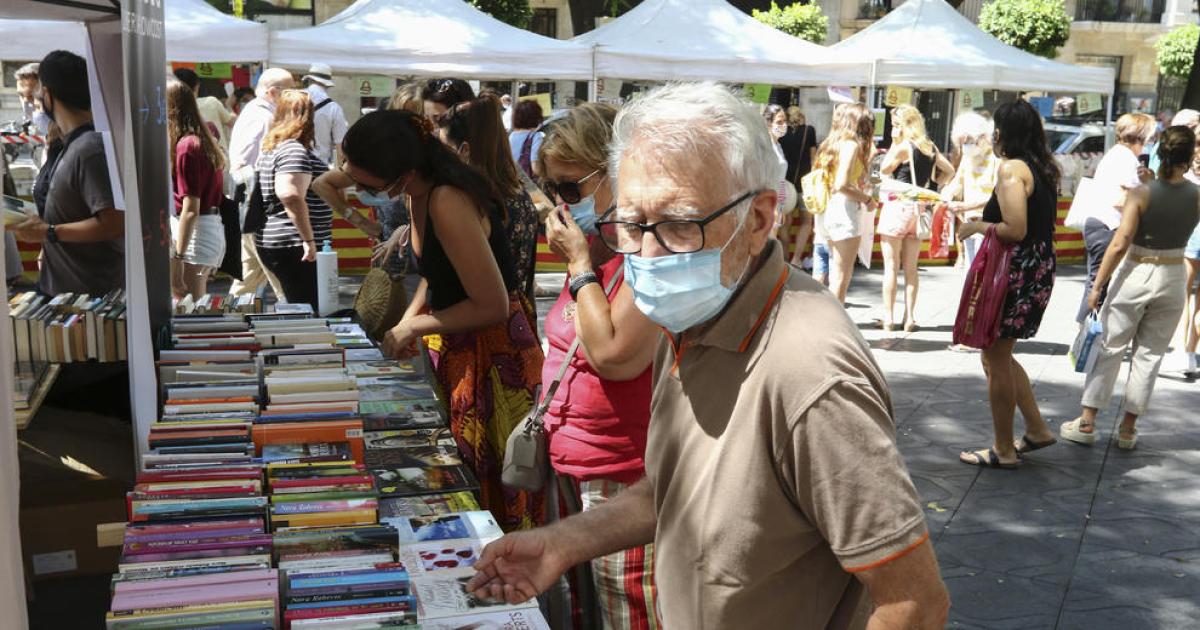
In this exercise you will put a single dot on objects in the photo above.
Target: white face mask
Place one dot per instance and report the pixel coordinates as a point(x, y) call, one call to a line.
point(778, 131)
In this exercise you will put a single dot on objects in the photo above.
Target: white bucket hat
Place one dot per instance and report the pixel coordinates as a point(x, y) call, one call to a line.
point(319, 73)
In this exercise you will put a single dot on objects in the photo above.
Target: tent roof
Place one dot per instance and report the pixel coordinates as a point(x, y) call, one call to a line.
point(34, 39)
point(927, 44)
point(664, 40)
point(429, 38)
point(78, 10)
point(198, 32)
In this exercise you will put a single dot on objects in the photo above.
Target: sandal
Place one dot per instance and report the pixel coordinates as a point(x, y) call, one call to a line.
point(1027, 445)
point(991, 460)
point(1073, 431)
point(911, 326)
point(1127, 444)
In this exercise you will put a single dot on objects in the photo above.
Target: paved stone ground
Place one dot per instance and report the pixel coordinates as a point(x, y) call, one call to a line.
point(1078, 537)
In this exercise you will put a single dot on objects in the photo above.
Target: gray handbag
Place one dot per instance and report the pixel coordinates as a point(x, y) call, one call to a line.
point(525, 454)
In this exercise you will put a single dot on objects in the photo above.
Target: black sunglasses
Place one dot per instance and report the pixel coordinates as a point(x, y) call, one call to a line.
point(678, 236)
point(569, 192)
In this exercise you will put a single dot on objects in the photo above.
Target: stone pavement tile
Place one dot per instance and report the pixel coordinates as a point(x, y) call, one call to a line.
point(1121, 589)
point(1165, 495)
point(993, 600)
point(940, 492)
point(1014, 548)
point(1169, 536)
point(1153, 460)
point(940, 440)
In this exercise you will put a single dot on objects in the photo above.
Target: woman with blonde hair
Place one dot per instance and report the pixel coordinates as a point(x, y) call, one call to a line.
point(846, 155)
point(800, 150)
point(598, 420)
point(298, 221)
point(975, 178)
point(1117, 173)
point(912, 159)
point(197, 183)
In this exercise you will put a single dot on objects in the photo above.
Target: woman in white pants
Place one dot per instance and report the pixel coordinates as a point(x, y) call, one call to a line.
point(1147, 294)
point(846, 155)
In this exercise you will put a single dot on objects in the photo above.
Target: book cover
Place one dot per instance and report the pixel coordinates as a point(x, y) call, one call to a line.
point(478, 525)
point(374, 621)
point(409, 481)
point(408, 437)
point(402, 421)
point(443, 594)
point(302, 507)
point(427, 505)
point(399, 407)
point(521, 619)
point(325, 519)
point(321, 451)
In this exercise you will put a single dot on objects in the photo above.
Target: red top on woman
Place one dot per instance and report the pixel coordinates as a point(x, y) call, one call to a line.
point(195, 176)
point(597, 427)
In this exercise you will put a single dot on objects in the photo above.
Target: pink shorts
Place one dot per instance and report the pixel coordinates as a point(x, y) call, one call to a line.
point(898, 219)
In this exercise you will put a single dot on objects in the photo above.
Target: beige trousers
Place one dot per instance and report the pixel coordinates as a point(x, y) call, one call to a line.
point(253, 271)
point(1144, 303)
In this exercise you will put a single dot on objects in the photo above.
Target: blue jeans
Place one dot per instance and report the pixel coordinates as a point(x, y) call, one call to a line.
point(820, 259)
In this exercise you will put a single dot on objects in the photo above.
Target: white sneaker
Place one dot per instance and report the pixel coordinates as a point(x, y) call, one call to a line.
point(1179, 362)
point(807, 264)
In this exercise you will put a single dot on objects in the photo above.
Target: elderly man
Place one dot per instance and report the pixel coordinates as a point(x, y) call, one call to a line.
point(774, 492)
point(245, 141)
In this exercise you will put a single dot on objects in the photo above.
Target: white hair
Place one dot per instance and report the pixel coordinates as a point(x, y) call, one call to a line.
point(272, 78)
point(695, 123)
point(971, 125)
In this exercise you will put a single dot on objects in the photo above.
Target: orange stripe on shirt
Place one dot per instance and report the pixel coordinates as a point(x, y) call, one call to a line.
point(894, 556)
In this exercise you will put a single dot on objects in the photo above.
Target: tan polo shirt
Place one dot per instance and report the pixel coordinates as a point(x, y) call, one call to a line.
point(773, 458)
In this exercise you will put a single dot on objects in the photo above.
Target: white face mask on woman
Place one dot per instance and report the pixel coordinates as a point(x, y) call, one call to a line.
point(778, 131)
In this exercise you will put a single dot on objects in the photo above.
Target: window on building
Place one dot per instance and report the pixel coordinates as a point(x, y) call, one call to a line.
point(545, 22)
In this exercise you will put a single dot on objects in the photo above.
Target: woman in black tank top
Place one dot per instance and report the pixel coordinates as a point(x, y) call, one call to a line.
point(485, 351)
point(1022, 211)
point(913, 159)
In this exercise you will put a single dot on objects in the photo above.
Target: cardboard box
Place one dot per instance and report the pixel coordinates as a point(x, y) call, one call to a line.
point(58, 526)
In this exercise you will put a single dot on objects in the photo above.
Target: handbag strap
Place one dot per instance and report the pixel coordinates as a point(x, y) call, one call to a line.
point(562, 369)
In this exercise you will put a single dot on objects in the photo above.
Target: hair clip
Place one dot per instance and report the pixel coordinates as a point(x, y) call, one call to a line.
point(445, 85)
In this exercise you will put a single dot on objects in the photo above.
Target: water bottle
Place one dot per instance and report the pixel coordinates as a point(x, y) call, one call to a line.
point(327, 280)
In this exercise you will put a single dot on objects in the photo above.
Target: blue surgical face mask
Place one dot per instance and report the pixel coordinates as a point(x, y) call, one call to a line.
point(584, 213)
point(378, 200)
point(42, 121)
point(680, 291)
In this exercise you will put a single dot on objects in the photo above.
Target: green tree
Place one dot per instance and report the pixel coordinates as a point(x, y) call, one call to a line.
point(806, 21)
point(1037, 26)
point(514, 12)
point(1176, 49)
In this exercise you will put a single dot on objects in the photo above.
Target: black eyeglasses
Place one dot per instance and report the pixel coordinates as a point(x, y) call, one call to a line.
point(678, 236)
point(569, 192)
point(370, 190)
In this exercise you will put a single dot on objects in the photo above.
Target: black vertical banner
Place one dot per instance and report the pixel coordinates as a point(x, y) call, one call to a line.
point(145, 81)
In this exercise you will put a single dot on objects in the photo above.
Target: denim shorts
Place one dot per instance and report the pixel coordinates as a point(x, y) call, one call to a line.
point(820, 259)
point(1192, 249)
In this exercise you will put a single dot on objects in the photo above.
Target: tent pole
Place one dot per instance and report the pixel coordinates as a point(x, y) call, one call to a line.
point(1108, 116)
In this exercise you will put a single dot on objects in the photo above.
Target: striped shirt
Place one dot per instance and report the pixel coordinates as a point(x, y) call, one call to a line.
point(291, 157)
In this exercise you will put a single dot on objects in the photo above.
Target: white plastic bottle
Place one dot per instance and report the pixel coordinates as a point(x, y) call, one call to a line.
point(327, 280)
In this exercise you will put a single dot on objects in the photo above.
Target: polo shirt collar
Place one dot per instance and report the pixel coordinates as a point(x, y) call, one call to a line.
point(735, 327)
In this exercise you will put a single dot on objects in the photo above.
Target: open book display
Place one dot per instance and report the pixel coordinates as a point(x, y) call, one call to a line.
point(262, 502)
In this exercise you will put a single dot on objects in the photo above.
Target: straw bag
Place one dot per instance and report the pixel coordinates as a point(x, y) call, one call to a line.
point(525, 453)
point(381, 299)
point(982, 304)
point(816, 190)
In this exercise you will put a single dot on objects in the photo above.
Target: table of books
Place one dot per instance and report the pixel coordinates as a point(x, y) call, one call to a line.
point(297, 479)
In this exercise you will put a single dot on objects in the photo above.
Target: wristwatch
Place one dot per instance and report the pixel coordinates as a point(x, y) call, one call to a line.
point(580, 281)
point(51, 235)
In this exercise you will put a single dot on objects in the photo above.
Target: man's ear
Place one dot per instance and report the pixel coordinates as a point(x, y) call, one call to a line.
point(760, 222)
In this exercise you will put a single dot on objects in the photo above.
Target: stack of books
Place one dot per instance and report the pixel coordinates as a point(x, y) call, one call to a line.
point(188, 437)
point(378, 596)
point(213, 304)
point(27, 378)
point(327, 492)
point(196, 551)
point(69, 327)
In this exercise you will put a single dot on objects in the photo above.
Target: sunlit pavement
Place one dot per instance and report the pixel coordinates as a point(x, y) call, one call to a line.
point(1078, 537)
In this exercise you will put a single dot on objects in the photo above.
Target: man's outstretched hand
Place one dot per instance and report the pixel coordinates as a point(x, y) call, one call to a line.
point(519, 567)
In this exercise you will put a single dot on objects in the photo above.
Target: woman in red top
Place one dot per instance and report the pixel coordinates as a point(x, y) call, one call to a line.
point(598, 418)
point(197, 183)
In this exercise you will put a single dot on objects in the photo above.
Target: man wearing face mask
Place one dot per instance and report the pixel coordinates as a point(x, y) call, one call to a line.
point(245, 143)
point(28, 86)
point(82, 234)
point(774, 491)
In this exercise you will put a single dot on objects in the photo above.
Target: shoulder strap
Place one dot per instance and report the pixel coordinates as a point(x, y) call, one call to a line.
point(322, 104)
point(562, 369)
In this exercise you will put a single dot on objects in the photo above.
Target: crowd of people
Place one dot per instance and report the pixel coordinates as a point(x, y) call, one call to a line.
point(702, 476)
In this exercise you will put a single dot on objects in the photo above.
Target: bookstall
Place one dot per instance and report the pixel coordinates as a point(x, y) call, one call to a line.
point(297, 479)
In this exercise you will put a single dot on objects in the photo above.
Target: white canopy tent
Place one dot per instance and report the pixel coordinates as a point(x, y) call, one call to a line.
point(34, 39)
point(429, 38)
point(927, 44)
point(692, 40)
point(196, 31)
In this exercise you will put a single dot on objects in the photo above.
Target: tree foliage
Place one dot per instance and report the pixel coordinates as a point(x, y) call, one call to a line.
point(806, 21)
point(1176, 50)
point(514, 12)
point(1037, 26)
